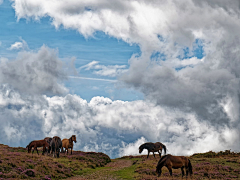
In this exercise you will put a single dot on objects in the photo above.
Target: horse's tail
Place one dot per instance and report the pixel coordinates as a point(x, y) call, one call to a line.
point(190, 167)
point(164, 148)
point(160, 164)
point(56, 145)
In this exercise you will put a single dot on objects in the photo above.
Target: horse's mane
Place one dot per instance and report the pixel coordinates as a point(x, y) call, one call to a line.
point(142, 146)
point(29, 144)
point(70, 139)
point(161, 161)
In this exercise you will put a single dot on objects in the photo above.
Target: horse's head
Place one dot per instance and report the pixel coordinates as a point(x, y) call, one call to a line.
point(141, 148)
point(29, 147)
point(74, 138)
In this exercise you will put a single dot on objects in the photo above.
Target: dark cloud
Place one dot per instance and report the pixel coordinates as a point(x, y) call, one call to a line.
point(34, 73)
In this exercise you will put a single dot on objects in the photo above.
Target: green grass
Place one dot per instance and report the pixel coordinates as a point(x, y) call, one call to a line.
point(126, 173)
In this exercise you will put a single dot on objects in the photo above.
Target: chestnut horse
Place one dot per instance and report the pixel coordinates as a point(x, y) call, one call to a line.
point(68, 143)
point(153, 147)
point(174, 162)
point(37, 143)
point(56, 145)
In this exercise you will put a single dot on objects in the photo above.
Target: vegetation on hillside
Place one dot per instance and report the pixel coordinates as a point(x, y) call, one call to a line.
point(16, 163)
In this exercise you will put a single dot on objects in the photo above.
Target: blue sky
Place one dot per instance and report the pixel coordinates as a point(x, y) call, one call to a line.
point(70, 44)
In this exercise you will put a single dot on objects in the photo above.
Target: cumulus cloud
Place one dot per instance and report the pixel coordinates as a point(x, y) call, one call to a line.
point(19, 45)
point(113, 127)
point(204, 92)
point(110, 70)
point(34, 72)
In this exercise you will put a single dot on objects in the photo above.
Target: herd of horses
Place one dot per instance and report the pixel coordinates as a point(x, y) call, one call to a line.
point(55, 144)
point(169, 161)
point(52, 145)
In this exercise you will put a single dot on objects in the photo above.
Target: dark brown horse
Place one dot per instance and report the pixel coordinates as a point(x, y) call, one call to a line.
point(68, 143)
point(37, 143)
point(153, 147)
point(56, 145)
point(174, 162)
point(48, 140)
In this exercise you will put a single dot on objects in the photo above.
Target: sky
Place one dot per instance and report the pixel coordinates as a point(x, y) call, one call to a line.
point(121, 73)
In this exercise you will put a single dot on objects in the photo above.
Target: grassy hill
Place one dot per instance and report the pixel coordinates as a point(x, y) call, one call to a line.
point(16, 163)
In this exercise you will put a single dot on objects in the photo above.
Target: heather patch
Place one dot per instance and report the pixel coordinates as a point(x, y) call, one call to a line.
point(16, 163)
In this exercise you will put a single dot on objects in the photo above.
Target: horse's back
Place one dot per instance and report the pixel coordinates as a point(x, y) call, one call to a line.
point(64, 142)
point(178, 161)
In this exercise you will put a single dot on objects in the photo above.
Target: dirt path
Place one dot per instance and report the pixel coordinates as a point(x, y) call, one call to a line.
point(105, 173)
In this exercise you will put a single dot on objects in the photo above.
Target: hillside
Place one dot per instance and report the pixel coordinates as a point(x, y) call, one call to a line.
point(16, 163)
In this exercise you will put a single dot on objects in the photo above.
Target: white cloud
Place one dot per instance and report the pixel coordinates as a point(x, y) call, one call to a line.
point(132, 148)
point(34, 73)
point(16, 45)
point(114, 127)
point(1, 1)
point(19, 45)
point(110, 70)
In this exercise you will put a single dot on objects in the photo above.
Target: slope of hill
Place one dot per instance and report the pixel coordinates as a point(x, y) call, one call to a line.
point(16, 163)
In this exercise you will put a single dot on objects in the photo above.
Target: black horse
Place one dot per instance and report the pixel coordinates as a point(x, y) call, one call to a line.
point(48, 140)
point(56, 145)
point(153, 147)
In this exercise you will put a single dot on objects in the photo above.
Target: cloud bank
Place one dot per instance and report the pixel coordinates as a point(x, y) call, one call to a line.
point(197, 98)
point(34, 72)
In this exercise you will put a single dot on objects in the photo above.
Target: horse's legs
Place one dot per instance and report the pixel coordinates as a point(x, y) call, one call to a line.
point(58, 151)
point(186, 172)
point(170, 170)
point(71, 150)
point(159, 172)
point(44, 149)
point(182, 168)
point(159, 153)
point(154, 154)
point(148, 154)
point(37, 151)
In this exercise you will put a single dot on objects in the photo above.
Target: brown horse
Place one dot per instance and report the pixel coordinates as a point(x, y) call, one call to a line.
point(153, 147)
point(68, 143)
point(37, 143)
point(174, 162)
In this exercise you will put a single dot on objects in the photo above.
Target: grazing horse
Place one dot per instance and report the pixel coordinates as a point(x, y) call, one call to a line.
point(56, 145)
point(68, 143)
point(48, 140)
point(174, 162)
point(37, 143)
point(153, 147)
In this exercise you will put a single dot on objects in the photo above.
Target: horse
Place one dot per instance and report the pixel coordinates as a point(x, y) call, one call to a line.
point(48, 140)
point(68, 143)
point(174, 162)
point(153, 147)
point(56, 145)
point(37, 143)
